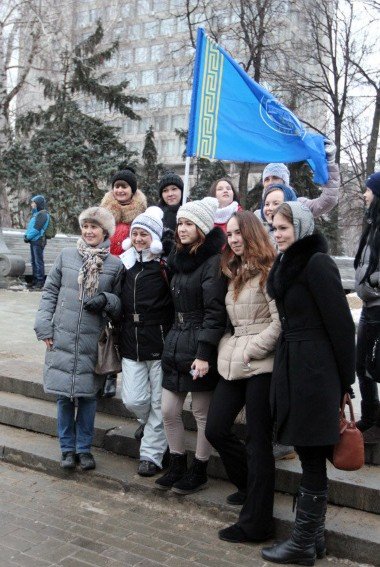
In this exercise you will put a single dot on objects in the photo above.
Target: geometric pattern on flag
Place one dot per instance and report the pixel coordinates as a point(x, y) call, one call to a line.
point(210, 99)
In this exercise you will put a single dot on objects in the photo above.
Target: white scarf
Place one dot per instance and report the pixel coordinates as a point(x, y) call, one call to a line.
point(224, 214)
point(131, 256)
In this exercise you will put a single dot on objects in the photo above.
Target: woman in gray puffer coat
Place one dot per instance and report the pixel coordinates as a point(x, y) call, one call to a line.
point(80, 294)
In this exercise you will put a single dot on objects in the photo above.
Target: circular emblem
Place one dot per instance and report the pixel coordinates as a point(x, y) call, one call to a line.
point(280, 119)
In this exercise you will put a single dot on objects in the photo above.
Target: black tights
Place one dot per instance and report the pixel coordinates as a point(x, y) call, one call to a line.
point(313, 461)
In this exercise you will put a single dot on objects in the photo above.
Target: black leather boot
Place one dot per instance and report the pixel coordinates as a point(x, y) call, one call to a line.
point(369, 414)
point(195, 479)
point(320, 543)
point(301, 547)
point(109, 390)
point(176, 470)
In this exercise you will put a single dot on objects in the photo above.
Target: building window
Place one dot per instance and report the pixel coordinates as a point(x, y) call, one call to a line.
point(155, 100)
point(179, 121)
point(157, 53)
point(168, 26)
point(148, 77)
point(186, 97)
point(151, 29)
point(171, 99)
point(141, 54)
point(125, 57)
point(143, 6)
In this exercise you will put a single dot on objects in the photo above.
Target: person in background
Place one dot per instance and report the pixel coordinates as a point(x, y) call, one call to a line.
point(245, 362)
point(314, 367)
point(81, 294)
point(170, 188)
point(124, 202)
point(190, 351)
point(228, 201)
point(35, 236)
point(147, 315)
point(367, 285)
point(278, 174)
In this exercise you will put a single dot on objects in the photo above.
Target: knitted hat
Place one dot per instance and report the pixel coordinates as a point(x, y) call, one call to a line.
point(151, 221)
point(373, 183)
point(279, 170)
point(128, 175)
point(303, 220)
point(170, 178)
point(201, 213)
point(100, 216)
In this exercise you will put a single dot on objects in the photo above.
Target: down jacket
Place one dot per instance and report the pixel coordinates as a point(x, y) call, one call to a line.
point(198, 290)
point(368, 293)
point(315, 355)
point(69, 365)
point(256, 326)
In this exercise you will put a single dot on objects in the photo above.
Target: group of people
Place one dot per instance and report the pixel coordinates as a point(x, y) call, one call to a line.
point(240, 309)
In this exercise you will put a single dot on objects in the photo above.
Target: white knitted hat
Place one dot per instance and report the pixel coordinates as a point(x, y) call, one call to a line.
point(100, 216)
point(201, 213)
point(151, 221)
point(279, 170)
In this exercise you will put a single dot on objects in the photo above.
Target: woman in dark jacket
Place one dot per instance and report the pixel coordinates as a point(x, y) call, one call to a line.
point(367, 284)
point(314, 366)
point(81, 291)
point(190, 352)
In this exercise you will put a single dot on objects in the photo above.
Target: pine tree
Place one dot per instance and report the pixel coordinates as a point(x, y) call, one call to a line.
point(68, 154)
point(152, 169)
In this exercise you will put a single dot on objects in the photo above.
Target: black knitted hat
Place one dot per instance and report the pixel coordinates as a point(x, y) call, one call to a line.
point(170, 178)
point(128, 175)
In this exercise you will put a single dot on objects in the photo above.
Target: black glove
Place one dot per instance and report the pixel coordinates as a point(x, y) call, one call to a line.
point(96, 304)
point(26, 240)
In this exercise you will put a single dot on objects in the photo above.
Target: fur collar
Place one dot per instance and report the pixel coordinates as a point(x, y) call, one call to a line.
point(125, 213)
point(292, 262)
point(183, 261)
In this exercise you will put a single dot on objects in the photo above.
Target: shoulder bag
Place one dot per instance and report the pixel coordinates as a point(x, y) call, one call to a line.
point(109, 360)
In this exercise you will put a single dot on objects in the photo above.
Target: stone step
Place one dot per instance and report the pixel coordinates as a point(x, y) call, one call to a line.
point(351, 534)
point(357, 490)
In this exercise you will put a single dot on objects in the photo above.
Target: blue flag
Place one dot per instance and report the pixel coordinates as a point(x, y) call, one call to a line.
point(234, 118)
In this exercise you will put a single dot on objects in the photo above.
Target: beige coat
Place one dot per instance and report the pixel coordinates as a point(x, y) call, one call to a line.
point(257, 327)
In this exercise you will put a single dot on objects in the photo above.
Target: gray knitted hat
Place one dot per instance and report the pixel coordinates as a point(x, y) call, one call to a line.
point(100, 216)
point(201, 213)
point(303, 220)
point(279, 170)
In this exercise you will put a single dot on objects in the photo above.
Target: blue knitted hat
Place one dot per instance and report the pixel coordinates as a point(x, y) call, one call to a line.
point(289, 194)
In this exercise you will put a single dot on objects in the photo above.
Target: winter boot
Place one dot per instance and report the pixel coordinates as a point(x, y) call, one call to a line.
point(176, 470)
point(195, 479)
point(369, 414)
point(301, 547)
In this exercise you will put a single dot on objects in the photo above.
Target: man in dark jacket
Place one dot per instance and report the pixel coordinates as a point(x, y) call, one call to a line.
point(35, 236)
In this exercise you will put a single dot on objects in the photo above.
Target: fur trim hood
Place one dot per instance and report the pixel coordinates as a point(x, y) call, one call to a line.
point(183, 261)
point(125, 213)
point(292, 262)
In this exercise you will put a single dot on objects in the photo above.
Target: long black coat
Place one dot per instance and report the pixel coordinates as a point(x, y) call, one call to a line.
point(146, 293)
point(198, 288)
point(315, 357)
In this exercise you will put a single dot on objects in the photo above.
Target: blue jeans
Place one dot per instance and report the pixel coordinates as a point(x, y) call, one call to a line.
point(76, 433)
point(37, 259)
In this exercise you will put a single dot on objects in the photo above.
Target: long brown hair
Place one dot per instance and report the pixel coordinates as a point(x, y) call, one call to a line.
point(258, 257)
point(193, 247)
point(214, 184)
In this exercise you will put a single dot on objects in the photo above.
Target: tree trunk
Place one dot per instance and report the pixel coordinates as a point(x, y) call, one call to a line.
point(244, 170)
point(372, 145)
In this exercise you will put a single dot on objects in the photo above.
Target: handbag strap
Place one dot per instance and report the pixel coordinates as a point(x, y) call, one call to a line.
point(347, 401)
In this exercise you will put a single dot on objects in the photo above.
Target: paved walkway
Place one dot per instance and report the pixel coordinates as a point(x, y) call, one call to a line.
point(45, 521)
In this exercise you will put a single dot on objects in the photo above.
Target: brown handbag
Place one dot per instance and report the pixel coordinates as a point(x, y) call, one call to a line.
point(109, 361)
point(348, 453)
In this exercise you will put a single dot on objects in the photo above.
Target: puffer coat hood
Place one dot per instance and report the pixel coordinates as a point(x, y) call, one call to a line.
point(69, 364)
point(40, 202)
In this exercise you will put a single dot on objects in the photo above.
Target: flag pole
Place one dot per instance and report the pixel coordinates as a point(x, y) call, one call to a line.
point(186, 180)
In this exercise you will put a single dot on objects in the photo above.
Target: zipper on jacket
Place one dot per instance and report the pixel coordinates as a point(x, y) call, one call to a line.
point(76, 350)
point(162, 336)
point(134, 305)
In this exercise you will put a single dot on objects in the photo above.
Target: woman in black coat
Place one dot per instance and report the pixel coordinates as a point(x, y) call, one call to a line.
point(170, 188)
point(314, 366)
point(190, 350)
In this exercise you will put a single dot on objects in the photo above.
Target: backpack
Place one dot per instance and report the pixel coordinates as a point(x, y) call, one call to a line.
point(50, 230)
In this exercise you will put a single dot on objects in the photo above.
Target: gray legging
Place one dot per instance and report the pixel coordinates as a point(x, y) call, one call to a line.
point(171, 407)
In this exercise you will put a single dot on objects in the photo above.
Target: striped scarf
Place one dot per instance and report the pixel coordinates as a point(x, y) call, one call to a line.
point(93, 258)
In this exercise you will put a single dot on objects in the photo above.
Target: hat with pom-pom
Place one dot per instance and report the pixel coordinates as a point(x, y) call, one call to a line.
point(201, 213)
point(151, 221)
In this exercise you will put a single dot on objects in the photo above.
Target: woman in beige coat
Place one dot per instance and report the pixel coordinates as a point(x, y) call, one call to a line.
point(245, 362)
